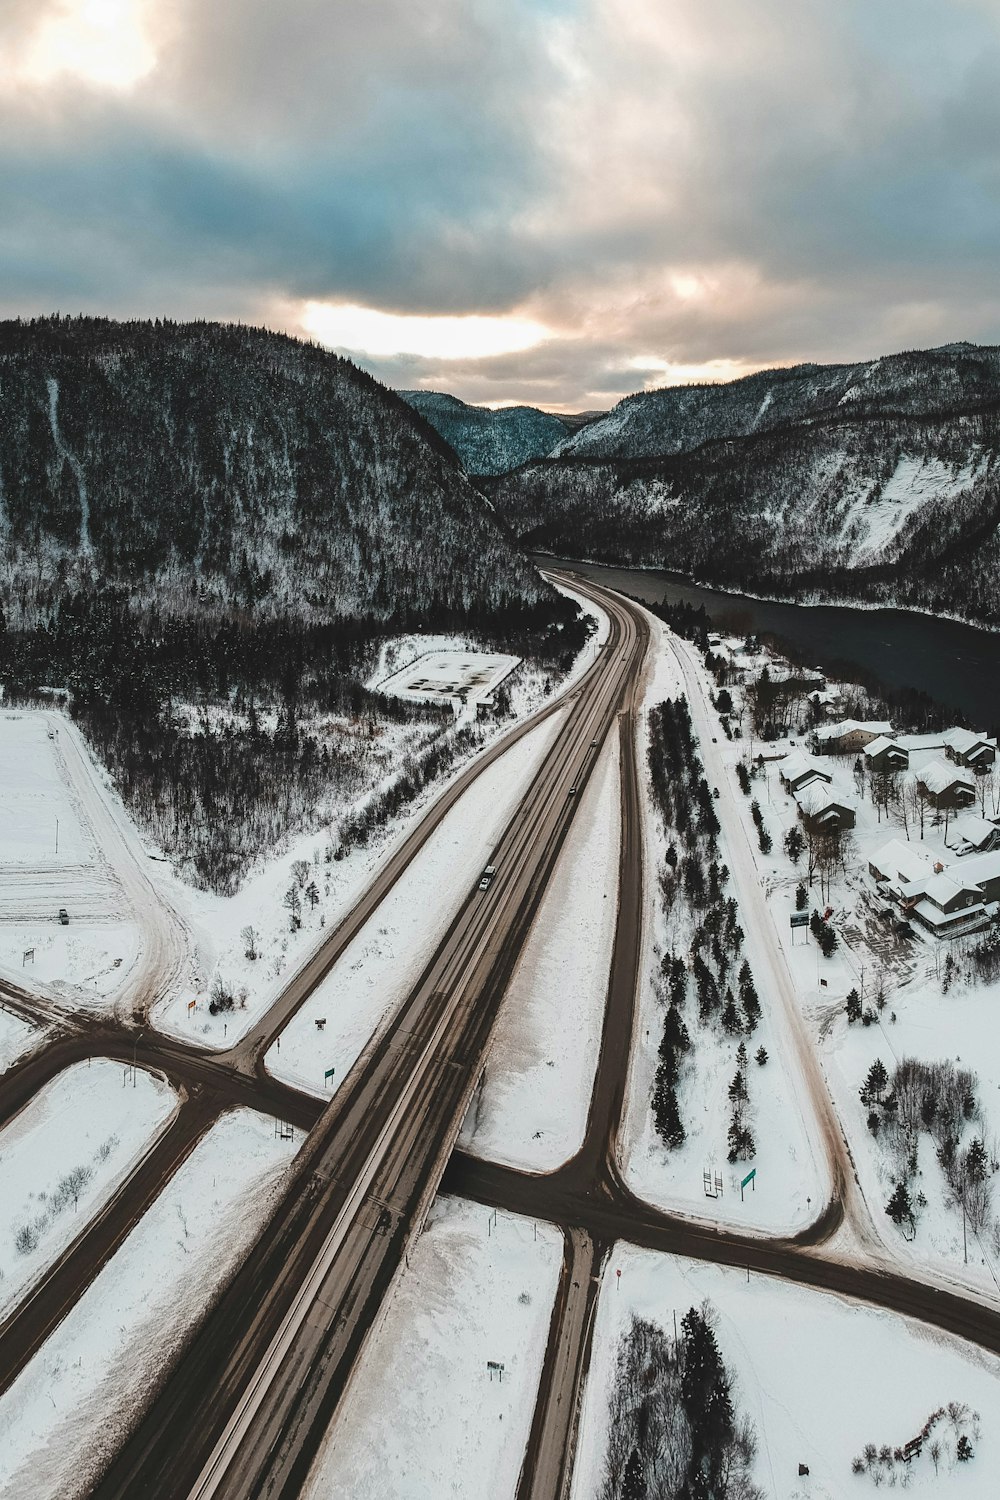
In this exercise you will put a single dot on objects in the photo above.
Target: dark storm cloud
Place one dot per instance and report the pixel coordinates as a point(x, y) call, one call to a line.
point(659, 185)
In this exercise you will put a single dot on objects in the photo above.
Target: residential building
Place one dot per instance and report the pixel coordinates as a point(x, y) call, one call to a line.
point(797, 770)
point(969, 834)
point(945, 786)
point(848, 735)
point(823, 811)
point(886, 754)
point(967, 748)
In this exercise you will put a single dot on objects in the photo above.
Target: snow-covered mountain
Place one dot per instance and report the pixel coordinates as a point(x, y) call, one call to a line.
point(204, 468)
point(680, 418)
point(877, 481)
point(487, 441)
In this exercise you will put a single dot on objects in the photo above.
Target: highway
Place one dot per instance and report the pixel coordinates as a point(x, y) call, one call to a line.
point(243, 1409)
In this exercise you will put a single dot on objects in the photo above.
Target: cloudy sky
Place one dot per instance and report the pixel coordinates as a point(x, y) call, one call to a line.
point(554, 201)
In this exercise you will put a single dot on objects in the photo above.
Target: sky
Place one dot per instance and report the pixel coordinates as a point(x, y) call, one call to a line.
point(546, 201)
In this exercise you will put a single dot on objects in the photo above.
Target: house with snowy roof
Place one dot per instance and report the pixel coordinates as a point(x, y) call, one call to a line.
point(886, 754)
point(945, 785)
point(848, 735)
point(899, 861)
point(798, 770)
point(970, 834)
point(967, 748)
point(824, 811)
point(983, 870)
point(947, 903)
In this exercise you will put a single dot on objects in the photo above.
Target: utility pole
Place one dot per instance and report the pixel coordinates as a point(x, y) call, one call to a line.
point(965, 1242)
point(57, 835)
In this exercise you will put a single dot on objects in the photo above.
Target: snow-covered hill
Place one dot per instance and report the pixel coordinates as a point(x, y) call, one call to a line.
point(487, 441)
point(204, 468)
point(878, 481)
point(680, 418)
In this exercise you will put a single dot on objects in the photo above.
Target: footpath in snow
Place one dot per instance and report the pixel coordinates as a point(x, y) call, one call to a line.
point(788, 1190)
point(819, 1376)
point(531, 1108)
point(63, 1156)
point(380, 966)
point(424, 1417)
point(70, 1406)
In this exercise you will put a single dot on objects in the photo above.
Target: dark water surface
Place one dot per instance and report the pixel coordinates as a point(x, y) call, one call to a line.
point(957, 665)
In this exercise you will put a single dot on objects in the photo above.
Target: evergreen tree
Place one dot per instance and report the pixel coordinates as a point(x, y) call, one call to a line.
point(899, 1206)
point(874, 1085)
point(707, 1401)
point(730, 1015)
point(853, 1007)
point(975, 1161)
point(633, 1483)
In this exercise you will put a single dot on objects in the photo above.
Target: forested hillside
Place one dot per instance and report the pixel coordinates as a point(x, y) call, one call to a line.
point(206, 532)
point(208, 467)
point(486, 441)
point(919, 383)
point(888, 494)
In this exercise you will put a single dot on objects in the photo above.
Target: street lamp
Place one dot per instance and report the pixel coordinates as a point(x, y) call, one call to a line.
point(135, 1050)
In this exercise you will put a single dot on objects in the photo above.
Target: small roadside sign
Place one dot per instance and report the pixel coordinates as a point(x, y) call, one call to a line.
point(328, 1074)
point(799, 919)
point(192, 1005)
point(750, 1179)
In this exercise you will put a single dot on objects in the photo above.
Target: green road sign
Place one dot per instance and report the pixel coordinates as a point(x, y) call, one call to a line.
point(748, 1178)
point(328, 1074)
point(799, 919)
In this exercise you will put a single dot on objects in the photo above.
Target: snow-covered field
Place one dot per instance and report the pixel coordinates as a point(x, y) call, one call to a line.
point(62, 1157)
point(819, 1376)
point(789, 1186)
point(17, 1037)
point(932, 1027)
point(70, 1405)
point(422, 1420)
point(48, 856)
point(441, 676)
point(33, 798)
point(94, 958)
point(380, 965)
point(531, 1108)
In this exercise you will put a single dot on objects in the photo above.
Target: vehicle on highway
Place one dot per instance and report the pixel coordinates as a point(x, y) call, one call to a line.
point(487, 877)
point(572, 791)
point(64, 916)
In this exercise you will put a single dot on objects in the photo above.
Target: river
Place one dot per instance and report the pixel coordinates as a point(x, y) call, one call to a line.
point(958, 665)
